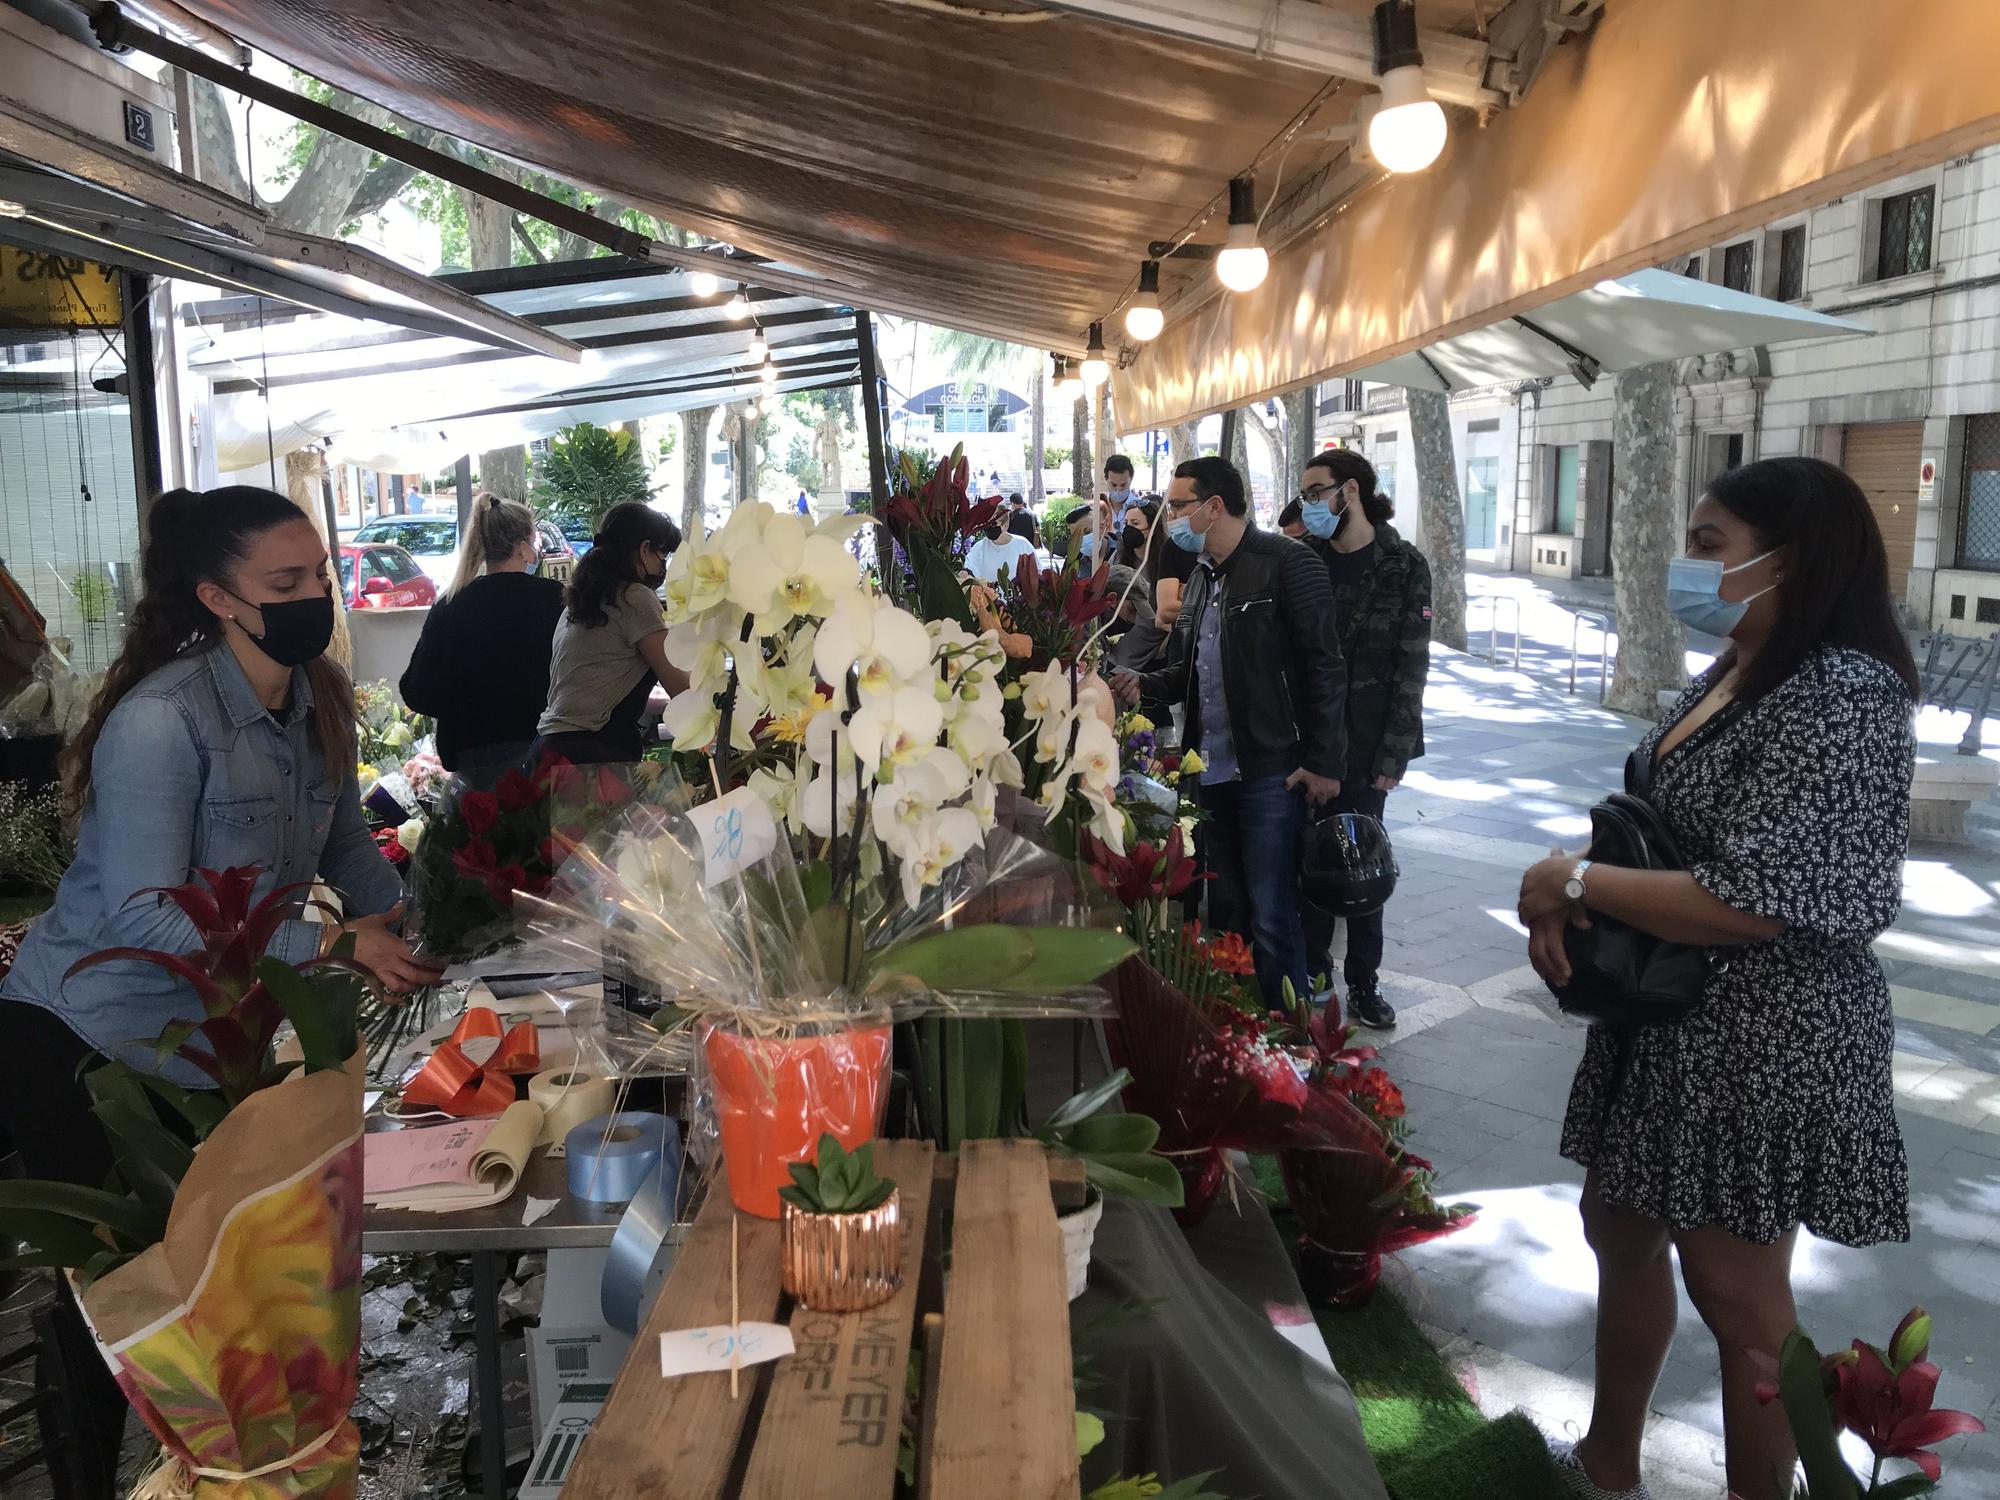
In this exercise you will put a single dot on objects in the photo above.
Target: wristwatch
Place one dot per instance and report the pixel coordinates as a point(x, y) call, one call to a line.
point(1573, 887)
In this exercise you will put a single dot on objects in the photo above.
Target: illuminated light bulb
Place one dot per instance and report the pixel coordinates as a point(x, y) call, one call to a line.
point(1096, 368)
point(1143, 318)
point(1065, 380)
point(703, 283)
point(1243, 263)
point(738, 307)
point(769, 374)
point(1408, 128)
point(760, 347)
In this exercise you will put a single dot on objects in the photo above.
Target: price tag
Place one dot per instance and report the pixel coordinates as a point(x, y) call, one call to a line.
point(735, 831)
point(691, 1351)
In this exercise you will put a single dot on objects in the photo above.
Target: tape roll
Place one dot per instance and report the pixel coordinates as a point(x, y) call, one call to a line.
point(568, 1098)
point(640, 1254)
point(612, 1156)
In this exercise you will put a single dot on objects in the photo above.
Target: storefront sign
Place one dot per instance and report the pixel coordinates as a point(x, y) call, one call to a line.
point(38, 290)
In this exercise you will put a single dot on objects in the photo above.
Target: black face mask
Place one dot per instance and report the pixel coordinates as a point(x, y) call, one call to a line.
point(296, 631)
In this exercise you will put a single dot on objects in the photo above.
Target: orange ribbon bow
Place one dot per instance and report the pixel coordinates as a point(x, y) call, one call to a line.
point(452, 1082)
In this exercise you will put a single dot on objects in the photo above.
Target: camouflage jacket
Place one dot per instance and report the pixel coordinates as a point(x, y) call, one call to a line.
point(1384, 622)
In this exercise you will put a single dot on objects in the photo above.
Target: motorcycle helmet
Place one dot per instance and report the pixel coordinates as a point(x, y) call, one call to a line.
point(1346, 866)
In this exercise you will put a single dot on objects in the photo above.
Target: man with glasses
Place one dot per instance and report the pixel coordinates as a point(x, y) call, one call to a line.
point(1382, 612)
point(1255, 662)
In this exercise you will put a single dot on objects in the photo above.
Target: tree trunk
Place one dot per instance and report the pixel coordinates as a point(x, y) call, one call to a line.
point(1443, 513)
point(1079, 448)
point(740, 427)
point(1038, 415)
point(215, 141)
point(1100, 428)
point(1180, 443)
point(1651, 648)
point(320, 197)
point(504, 472)
point(1300, 446)
point(489, 231)
point(1239, 446)
point(694, 469)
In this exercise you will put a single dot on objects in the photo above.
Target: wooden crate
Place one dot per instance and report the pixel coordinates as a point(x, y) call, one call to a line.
point(826, 1420)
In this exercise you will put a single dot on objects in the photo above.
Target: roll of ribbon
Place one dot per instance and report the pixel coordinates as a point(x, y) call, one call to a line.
point(640, 1253)
point(612, 1156)
point(568, 1098)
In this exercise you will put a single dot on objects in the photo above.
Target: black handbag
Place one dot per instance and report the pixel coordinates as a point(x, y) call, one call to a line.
point(1620, 976)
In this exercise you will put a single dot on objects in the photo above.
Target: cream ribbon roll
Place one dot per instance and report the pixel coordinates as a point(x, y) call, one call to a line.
point(568, 1098)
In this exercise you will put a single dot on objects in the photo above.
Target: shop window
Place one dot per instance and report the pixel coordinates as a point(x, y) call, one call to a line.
point(1979, 525)
point(1569, 469)
point(1989, 611)
point(1791, 263)
point(1739, 263)
point(1384, 460)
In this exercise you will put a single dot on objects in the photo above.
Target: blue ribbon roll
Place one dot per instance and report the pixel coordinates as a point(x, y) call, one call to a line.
point(613, 1156)
point(640, 1254)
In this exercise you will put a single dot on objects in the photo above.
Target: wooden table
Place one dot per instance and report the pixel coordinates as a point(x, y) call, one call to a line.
point(825, 1421)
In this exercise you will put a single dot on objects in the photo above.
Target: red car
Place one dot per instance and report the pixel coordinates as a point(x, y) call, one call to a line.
point(375, 575)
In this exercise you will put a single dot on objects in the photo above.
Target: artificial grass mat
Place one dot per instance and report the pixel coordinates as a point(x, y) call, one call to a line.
point(1428, 1438)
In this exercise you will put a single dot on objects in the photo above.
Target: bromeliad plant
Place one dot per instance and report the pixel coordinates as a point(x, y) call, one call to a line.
point(1882, 1396)
point(245, 995)
point(840, 1182)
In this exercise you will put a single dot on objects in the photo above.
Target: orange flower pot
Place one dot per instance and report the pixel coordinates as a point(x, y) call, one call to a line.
point(776, 1096)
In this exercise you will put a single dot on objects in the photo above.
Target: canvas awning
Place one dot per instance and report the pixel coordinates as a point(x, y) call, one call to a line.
point(403, 400)
point(69, 195)
point(1006, 176)
point(1615, 325)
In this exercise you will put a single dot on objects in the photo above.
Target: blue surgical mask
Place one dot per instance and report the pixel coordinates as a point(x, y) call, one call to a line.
point(1181, 532)
point(1694, 593)
point(1321, 520)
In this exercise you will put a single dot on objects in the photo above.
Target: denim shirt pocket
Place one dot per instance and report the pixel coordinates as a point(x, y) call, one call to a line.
point(237, 830)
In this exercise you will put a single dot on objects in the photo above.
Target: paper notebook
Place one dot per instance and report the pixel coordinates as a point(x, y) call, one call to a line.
point(445, 1168)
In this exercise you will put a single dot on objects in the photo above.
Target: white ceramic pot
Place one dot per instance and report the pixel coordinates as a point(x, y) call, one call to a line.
point(1079, 1230)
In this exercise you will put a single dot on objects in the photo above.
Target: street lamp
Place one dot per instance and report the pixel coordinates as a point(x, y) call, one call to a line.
point(1143, 318)
point(1407, 130)
point(1243, 263)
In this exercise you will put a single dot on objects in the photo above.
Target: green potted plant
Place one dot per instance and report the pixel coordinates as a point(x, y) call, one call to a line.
point(842, 1230)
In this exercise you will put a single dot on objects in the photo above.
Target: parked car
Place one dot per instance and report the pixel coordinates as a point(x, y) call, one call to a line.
point(557, 543)
point(383, 576)
point(431, 540)
point(578, 533)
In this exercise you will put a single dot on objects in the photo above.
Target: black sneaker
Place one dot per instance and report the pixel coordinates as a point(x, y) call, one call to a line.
point(1366, 1005)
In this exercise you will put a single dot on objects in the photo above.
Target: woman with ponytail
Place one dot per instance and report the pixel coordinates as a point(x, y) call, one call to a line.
point(612, 644)
point(222, 737)
point(481, 667)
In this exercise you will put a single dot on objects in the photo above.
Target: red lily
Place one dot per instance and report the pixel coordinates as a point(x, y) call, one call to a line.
point(1028, 579)
point(1151, 872)
point(1088, 599)
point(1891, 1412)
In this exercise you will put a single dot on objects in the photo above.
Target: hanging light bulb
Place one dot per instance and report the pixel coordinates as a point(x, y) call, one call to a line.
point(738, 307)
point(1065, 381)
point(760, 347)
point(769, 374)
point(1096, 368)
point(1242, 265)
point(1407, 130)
point(703, 283)
point(1143, 318)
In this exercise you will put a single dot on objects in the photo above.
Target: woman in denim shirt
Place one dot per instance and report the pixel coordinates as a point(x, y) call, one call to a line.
point(221, 737)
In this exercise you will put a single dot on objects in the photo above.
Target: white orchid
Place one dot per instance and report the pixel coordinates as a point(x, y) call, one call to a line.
point(896, 729)
point(743, 530)
point(697, 581)
point(693, 718)
point(791, 572)
point(918, 792)
point(885, 646)
point(655, 872)
point(1047, 692)
point(817, 802)
point(700, 647)
point(1094, 761)
point(984, 802)
point(941, 842)
point(778, 789)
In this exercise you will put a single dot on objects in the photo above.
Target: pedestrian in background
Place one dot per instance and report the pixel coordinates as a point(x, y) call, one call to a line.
point(481, 664)
point(1382, 611)
point(1783, 775)
point(997, 552)
point(1255, 661)
point(1021, 520)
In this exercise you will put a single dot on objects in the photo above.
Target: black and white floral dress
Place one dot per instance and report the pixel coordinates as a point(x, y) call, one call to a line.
point(1772, 1104)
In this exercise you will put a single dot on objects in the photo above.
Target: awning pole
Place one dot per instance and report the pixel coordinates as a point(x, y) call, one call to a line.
point(871, 411)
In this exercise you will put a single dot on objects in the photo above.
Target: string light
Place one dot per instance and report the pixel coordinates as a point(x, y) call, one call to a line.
point(1065, 382)
point(738, 307)
point(1096, 368)
point(704, 284)
point(760, 347)
point(1243, 263)
point(769, 374)
point(1143, 318)
point(1408, 128)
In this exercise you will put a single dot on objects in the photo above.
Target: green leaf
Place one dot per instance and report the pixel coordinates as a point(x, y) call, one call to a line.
point(984, 956)
point(168, 1042)
point(203, 1109)
point(1902, 1489)
point(1811, 1420)
point(816, 883)
point(56, 1239)
point(149, 1157)
point(982, 1060)
point(1142, 1177)
point(1130, 1135)
point(1089, 1433)
point(1089, 1102)
point(1013, 1077)
point(802, 1201)
point(321, 1014)
point(1068, 957)
point(124, 1218)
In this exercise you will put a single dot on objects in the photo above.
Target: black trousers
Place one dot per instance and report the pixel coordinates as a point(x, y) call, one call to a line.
point(46, 1111)
point(1364, 934)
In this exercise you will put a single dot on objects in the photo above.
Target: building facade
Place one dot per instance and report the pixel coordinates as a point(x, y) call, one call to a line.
point(1912, 410)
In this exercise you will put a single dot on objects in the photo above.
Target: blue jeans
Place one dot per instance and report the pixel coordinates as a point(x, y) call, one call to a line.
point(1252, 840)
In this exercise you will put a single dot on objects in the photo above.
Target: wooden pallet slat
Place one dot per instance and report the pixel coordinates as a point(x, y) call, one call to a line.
point(1005, 1404)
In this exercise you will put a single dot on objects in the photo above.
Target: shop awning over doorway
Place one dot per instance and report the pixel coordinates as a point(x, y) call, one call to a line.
point(409, 401)
point(1616, 325)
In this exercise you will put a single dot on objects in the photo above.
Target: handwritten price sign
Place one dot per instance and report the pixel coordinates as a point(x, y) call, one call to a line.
point(735, 832)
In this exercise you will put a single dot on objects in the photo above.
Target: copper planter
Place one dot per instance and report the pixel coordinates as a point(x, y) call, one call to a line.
point(844, 1262)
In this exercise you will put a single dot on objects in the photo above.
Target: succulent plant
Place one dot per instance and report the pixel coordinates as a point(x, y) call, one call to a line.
point(841, 1182)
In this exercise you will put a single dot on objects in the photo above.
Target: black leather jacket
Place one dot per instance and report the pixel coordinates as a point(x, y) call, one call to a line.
point(1282, 674)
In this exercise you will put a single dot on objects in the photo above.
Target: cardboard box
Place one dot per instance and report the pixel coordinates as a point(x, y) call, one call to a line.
point(573, 1344)
point(569, 1424)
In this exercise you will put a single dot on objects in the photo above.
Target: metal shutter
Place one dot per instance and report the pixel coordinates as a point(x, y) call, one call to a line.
point(1883, 458)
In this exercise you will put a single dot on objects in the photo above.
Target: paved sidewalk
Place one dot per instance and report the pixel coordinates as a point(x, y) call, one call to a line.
point(1513, 766)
